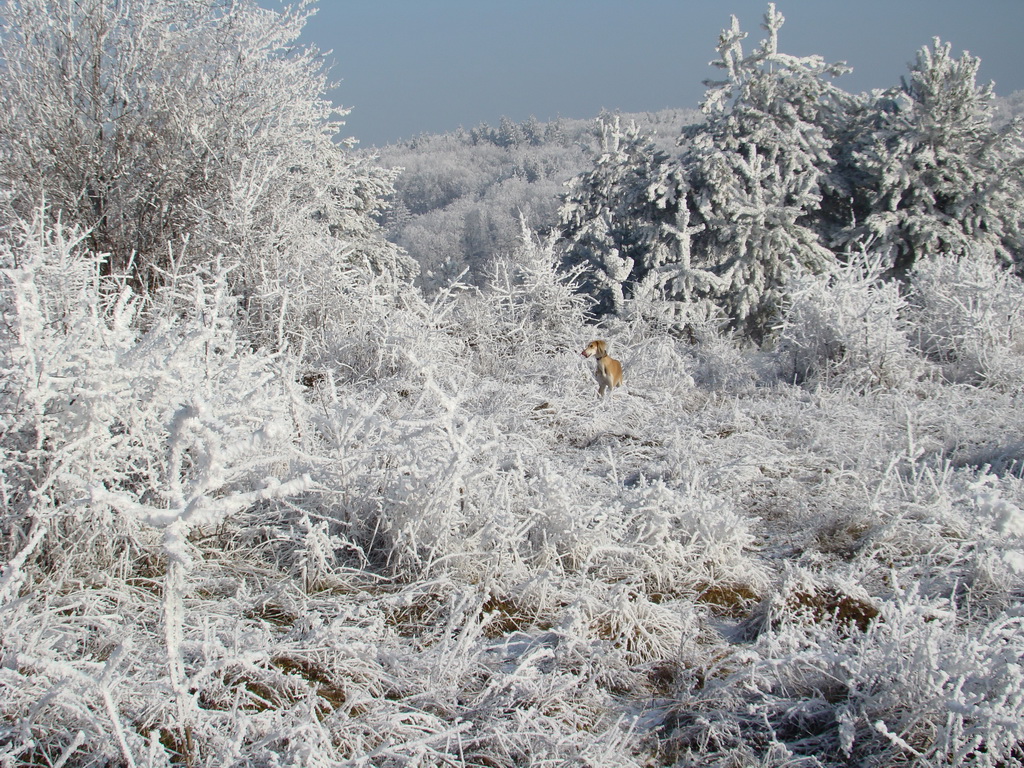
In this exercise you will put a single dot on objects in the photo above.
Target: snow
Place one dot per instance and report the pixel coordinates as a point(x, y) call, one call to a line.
point(266, 503)
point(1008, 518)
point(452, 556)
point(1014, 558)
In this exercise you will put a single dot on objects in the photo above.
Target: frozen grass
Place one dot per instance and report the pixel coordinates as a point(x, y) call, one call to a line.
point(433, 545)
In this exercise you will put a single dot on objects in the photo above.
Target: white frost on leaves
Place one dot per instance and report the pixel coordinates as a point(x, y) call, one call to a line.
point(409, 535)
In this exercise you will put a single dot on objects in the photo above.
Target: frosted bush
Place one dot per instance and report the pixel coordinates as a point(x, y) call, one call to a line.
point(121, 446)
point(968, 314)
point(839, 679)
point(723, 367)
point(846, 325)
point(681, 541)
point(237, 151)
point(139, 415)
point(922, 689)
point(526, 307)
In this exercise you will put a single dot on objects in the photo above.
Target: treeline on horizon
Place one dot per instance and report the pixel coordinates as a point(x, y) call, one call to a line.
point(781, 173)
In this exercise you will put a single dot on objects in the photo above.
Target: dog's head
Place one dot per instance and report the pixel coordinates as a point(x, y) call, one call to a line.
point(597, 347)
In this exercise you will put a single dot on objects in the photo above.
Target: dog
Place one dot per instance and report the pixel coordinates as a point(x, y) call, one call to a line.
point(609, 370)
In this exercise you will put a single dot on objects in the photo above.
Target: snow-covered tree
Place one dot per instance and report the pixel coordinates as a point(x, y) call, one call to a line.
point(619, 219)
point(940, 178)
point(149, 122)
point(759, 166)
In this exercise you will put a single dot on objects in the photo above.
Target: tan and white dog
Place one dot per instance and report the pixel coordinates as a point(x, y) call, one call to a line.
point(609, 370)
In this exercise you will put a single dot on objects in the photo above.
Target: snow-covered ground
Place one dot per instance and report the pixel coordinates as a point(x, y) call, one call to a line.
point(439, 547)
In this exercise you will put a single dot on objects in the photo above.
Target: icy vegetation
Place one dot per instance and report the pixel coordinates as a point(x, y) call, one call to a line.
point(264, 502)
point(444, 550)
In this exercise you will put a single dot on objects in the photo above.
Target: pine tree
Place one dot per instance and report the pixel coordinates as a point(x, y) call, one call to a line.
point(759, 166)
point(939, 178)
point(619, 218)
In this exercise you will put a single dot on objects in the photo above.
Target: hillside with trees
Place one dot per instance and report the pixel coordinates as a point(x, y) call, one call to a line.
point(276, 490)
point(461, 198)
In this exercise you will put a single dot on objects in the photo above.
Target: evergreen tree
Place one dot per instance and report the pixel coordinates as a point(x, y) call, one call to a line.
point(759, 167)
point(939, 178)
point(619, 218)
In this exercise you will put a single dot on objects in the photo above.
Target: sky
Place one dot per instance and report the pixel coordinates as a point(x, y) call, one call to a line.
point(409, 67)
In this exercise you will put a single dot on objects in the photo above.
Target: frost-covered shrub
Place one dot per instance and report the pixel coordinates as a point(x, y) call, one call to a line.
point(837, 677)
point(147, 417)
point(683, 343)
point(682, 541)
point(381, 330)
point(968, 314)
point(376, 331)
point(917, 686)
point(900, 648)
point(433, 499)
point(527, 303)
point(723, 366)
point(131, 432)
point(845, 325)
point(192, 120)
point(920, 688)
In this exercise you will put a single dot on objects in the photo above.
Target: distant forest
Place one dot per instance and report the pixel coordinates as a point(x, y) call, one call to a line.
point(461, 197)
point(780, 171)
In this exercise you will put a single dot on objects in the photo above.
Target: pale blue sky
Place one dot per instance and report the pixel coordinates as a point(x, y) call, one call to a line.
point(427, 66)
